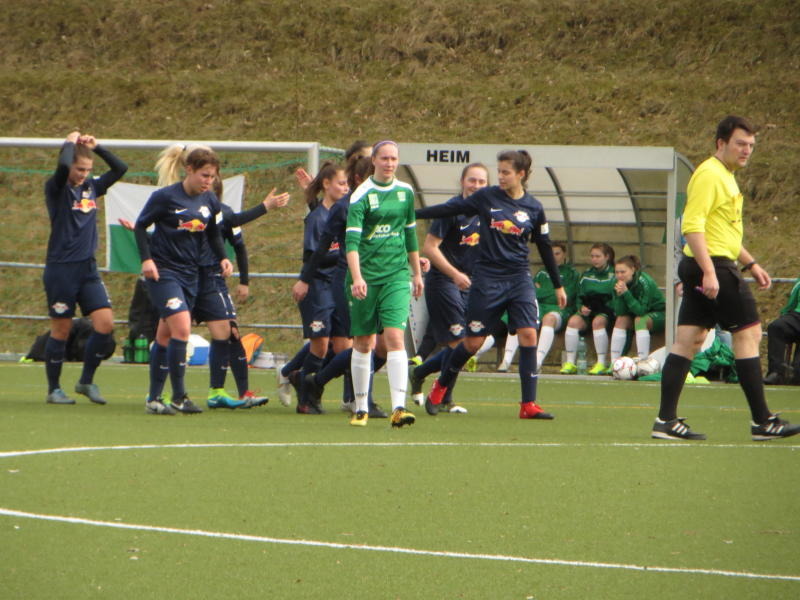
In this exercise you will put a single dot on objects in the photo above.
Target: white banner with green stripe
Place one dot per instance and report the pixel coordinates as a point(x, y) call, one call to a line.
point(124, 201)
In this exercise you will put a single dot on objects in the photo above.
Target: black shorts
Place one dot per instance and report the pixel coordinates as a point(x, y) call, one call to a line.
point(318, 311)
point(213, 302)
point(446, 308)
point(172, 293)
point(490, 298)
point(71, 284)
point(733, 309)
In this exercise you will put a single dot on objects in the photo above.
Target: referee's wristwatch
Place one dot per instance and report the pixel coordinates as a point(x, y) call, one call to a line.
point(749, 265)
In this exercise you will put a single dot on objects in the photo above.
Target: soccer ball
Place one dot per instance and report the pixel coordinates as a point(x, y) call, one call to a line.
point(647, 366)
point(624, 368)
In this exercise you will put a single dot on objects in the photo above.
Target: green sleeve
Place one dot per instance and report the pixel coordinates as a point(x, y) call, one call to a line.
point(793, 304)
point(355, 225)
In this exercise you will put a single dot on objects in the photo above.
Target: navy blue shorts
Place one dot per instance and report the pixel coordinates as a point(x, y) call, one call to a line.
point(318, 310)
point(733, 309)
point(447, 306)
point(341, 323)
point(172, 293)
point(489, 299)
point(213, 302)
point(74, 283)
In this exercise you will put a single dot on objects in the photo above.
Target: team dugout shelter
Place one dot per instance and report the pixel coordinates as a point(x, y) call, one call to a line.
point(630, 197)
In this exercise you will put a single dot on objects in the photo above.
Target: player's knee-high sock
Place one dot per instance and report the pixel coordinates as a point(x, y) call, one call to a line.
point(642, 343)
point(571, 336)
point(434, 364)
point(96, 347)
point(218, 358)
point(311, 364)
point(752, 384)
point(673, 376)
point(450, 370)
point(528, 377)
point(397, 367)
point(335, 367)
point(360, 368)
point(159, 370)
point(176, 358)
point(238, 364)
point(512, 343)
point(618, 339)
point(600, 337)
point(546, 337)
point(296, 363)
point(54, 351)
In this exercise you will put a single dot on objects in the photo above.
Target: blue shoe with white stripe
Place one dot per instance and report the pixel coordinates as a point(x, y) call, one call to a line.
point(675, 429)
point(773, 429)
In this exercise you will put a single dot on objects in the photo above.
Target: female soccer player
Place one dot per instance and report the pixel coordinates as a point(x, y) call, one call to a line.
point(184, 214)
point(452, 247)
point(638, 304)
point(554, 317)
point(321, 321)
point(595, 291)
point(501, 279)
point(70, 273)
point(381, 243)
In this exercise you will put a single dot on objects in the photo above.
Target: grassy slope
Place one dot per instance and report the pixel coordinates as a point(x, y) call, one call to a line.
point(532, 72)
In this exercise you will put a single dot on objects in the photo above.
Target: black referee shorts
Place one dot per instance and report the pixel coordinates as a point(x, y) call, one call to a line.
point(733, 309)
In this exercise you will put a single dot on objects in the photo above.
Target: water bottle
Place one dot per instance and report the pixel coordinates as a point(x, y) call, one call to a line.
point(141, 351)
point(127, 351)
point(581, 360)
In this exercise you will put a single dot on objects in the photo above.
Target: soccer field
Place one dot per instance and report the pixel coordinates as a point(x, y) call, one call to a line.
point(108, 502)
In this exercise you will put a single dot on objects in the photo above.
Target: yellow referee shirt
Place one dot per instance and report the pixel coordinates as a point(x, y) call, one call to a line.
point(714, 207)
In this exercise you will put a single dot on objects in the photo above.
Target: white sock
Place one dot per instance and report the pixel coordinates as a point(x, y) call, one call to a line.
point(485, 347)
point(360, 368)
point(571, 343)
point(512, 343)
point(643, 343)
point(600, 344)
point(546, 337)
point(618, 337)
point(397, 369)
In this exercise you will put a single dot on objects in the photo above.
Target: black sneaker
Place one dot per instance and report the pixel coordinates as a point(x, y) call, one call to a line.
point(186, 406)
point(773, 378)
point(773, 429)
point(376, 412)
point(313, 391)
point(675, 429)
point(309, 409)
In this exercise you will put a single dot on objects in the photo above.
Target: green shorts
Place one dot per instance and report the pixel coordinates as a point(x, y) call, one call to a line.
point(659, 319)
point(386, 305)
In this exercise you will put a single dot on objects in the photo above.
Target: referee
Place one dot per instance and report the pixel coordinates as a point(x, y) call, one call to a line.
point(714, 291)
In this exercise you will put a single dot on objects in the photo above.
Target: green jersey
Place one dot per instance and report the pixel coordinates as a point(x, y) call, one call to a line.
point(642, 297)
point(596, 289)
point(793, 304)
point(546, 294)
point(382, 228)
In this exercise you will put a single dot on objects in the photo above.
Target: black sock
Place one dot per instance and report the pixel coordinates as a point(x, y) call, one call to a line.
point(673, 376)
point(749, 371)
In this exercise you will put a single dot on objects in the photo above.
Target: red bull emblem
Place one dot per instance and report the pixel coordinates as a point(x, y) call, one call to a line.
point(506, 226)
point(85, 205)
point(470, 240)
point(334, 247)
point(193, 226)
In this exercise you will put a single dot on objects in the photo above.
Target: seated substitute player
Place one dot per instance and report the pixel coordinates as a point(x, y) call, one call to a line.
point(70, 272)
point(501, 281)
point(714, 291)
point(639, 304)
point(452, 247)
point(783, 331)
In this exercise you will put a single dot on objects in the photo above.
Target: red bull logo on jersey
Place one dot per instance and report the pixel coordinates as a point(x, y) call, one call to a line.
point(506, 226)
point(456, 329)
point(193, 226)
point(85, 205)
point(174, 303)
point(470, 240)
point(475, 326)
point(334, 247)
point(317, 326)
point(60, 308)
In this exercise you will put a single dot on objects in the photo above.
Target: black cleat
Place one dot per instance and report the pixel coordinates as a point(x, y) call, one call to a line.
point(773, 429)
point(675, 429)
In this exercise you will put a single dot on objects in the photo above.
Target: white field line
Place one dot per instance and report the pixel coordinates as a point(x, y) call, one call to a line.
point(650, 445)
point(394, 549)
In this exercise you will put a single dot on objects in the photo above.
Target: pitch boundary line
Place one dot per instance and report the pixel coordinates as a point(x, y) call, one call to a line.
point(394, 549)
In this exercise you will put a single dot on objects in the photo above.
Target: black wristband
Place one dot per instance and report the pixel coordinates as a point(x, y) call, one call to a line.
point(749, 266)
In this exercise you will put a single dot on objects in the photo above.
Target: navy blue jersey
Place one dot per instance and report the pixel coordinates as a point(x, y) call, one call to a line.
point(332, 237)
point(183, 226)
point(506, 228)
point(314, 225)
point(460, 236)
point(73, 210)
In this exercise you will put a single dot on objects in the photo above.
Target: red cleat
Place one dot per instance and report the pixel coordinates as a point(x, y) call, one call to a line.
point(435, 397)
point(531, 410)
